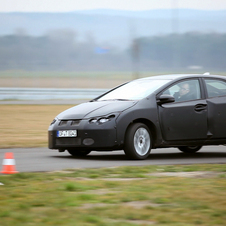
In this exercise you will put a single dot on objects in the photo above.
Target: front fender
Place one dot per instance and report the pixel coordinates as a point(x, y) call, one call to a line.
point(138, 113)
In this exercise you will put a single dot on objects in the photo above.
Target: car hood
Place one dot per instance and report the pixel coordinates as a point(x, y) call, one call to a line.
point(95, 109)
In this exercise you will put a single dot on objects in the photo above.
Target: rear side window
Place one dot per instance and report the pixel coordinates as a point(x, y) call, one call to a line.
point(215, 88)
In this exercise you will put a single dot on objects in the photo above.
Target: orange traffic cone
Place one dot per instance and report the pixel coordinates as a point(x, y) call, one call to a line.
point(9, 164)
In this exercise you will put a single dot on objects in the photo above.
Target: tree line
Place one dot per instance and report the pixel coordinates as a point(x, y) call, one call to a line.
point(62, 52)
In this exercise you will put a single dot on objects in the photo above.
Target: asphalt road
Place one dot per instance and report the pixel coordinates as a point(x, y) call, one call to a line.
point(43, 159)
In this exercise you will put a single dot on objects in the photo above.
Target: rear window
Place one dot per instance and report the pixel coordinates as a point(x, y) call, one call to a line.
point(215, 88)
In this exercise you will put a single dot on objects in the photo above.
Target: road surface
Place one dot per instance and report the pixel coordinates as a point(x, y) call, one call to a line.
point(43, 159)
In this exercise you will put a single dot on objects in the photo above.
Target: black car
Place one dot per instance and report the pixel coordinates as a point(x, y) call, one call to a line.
point(183, 111)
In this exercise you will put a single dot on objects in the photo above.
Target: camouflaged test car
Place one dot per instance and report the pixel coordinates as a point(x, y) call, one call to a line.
point(183, 111)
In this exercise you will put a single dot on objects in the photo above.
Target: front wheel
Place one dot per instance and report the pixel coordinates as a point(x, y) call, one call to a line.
point(190, 149)
point(138, 141)
point(78, 152)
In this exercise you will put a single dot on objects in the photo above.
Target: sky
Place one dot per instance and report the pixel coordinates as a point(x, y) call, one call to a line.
point(73, 5)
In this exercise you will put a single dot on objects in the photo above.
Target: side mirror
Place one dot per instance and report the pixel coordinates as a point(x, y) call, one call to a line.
point(165, 98)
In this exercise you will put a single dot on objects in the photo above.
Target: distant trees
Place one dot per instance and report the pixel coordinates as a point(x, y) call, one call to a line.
point(208, 51)
point(60, 50)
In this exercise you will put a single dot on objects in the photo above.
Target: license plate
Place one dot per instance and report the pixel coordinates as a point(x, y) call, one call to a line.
point(67, 133)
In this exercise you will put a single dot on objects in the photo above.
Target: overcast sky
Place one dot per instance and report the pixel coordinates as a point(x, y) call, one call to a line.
point(72, 5)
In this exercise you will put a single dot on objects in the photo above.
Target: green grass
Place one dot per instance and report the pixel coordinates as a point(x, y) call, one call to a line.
point(116, 196)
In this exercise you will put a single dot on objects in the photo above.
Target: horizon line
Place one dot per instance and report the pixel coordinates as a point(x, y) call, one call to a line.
point(128, 10)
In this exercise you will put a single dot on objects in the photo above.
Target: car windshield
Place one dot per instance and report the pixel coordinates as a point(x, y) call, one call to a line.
point(135, 90)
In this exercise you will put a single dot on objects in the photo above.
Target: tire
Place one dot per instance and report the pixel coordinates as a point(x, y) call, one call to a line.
point(138, 141)
point(75, 153)
point(190, 149)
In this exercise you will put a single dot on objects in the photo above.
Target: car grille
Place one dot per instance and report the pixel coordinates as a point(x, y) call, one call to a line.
point(68, 141)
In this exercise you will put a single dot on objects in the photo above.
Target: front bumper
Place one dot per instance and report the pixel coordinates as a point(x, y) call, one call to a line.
point(89, 136)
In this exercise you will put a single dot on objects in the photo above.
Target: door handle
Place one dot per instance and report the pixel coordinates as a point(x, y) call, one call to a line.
point(200, 107)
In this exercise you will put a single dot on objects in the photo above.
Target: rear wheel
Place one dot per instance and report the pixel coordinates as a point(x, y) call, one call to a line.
point(190, 149)
point(138, 141)
point(74, 152)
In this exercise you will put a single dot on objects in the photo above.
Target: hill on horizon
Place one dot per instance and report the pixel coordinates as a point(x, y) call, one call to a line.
point(114, 27)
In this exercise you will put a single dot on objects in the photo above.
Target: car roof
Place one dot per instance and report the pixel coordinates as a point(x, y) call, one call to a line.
point(183, 76)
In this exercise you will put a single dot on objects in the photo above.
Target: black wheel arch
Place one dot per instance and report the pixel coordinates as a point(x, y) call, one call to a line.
point(149, 124)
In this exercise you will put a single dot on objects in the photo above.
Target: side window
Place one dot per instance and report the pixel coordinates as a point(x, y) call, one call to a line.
point(184, 91)
point(215, 88)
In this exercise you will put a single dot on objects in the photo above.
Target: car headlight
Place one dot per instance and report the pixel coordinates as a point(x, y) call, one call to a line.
point(54, 120)
point(93, 120)
point(101, 120)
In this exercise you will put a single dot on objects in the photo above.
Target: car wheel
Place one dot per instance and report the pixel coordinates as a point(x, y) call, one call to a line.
point(138, 141)
point(190, 149)
point(78, 152)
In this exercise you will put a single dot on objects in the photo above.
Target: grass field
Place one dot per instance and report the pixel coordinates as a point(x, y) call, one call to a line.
point(26, 125)
point(65, 79)
point(123, 196)
point(73, 79)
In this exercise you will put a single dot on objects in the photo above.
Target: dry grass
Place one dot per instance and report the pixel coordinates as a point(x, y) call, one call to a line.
point(61, 82)
point(72, 79)
point(26, 125)
point(65, 79)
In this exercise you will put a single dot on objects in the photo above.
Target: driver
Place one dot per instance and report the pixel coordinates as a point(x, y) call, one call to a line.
point(183, 93)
